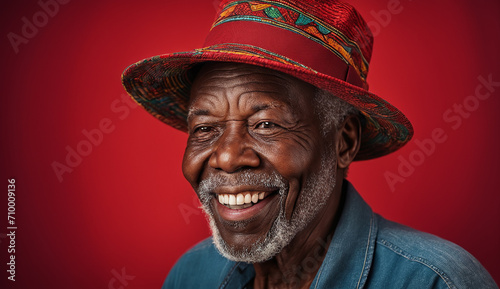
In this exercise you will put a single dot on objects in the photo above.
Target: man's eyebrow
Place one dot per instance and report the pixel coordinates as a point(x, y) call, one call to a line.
point(259, 107)
point(197, 111)
point(266, 106)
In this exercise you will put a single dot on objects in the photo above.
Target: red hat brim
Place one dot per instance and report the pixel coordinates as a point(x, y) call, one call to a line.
point(162, 84)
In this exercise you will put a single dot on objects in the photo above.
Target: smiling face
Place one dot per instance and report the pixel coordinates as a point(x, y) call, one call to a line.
point(257, 158)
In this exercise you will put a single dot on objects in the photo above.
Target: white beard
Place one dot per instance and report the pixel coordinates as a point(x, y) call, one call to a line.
point(312, 199)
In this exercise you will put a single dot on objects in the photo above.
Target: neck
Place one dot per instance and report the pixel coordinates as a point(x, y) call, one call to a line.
point(298, 263)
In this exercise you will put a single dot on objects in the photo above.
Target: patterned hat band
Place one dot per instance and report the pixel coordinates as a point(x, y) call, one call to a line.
point(294, 34)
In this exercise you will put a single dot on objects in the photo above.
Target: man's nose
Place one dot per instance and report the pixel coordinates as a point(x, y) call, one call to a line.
point(234, 151)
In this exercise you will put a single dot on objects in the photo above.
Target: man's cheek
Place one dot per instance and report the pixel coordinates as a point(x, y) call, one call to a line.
point(192, 164)
point(292, 166)
point(291, 198)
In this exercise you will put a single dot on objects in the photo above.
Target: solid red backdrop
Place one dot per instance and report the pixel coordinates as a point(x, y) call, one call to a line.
point(100, 198)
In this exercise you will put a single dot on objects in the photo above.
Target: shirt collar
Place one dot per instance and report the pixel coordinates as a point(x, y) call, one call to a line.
point(350, 254)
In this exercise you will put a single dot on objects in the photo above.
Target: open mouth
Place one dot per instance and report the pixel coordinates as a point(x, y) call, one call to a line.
point(242, 200)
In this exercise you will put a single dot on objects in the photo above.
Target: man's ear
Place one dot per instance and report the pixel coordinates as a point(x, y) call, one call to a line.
point(349, 140)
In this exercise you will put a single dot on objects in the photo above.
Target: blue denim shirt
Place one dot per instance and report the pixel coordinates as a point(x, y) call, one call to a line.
point(366, 251)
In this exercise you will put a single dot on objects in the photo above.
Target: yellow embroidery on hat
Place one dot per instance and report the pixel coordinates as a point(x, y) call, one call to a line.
point(258, 6)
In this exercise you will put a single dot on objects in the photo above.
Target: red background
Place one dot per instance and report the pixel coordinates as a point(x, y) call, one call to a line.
point(126, 204)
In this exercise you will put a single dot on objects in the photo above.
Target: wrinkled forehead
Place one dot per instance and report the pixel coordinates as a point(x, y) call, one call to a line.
point(218, 79)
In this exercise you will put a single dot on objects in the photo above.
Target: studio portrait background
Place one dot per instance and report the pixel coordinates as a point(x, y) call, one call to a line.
point(100, 198)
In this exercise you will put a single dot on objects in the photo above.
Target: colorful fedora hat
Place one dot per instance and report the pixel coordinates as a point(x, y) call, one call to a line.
point(323, 42)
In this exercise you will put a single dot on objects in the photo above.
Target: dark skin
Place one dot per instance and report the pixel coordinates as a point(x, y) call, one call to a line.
point(247, 118)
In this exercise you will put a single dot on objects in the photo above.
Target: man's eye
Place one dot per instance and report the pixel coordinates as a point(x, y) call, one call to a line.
point(266, 124)
point(203, 129)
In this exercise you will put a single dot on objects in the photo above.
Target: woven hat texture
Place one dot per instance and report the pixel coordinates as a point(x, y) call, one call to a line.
point(324, 42)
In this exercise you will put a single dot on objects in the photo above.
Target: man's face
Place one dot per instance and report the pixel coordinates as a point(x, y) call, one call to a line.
point(256, 158)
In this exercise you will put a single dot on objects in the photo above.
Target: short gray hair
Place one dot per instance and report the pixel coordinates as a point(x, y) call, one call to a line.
point(332, 111)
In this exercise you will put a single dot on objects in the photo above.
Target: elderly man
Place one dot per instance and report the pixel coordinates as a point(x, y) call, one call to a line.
point(277, 107)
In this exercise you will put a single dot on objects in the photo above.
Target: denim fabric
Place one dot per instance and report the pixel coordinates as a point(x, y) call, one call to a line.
point(366, 251)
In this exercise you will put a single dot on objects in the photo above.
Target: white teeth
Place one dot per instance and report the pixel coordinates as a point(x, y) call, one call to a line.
point(232, 200)
point(241, 198)
point(255, 198)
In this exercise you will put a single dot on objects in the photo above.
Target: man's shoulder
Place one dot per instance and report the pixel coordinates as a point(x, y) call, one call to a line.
point(202, 262)
point(415, 253)
point(204, 249)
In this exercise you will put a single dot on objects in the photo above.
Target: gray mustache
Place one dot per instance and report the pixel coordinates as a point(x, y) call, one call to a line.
point(246, 178)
